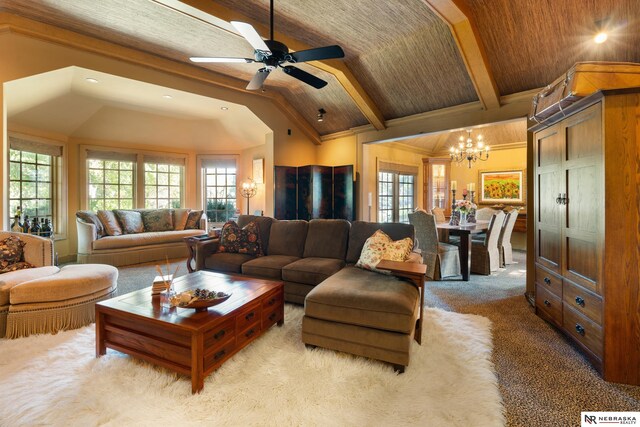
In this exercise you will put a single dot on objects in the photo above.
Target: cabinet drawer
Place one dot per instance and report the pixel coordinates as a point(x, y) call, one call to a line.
point(549, 281)
point(248, 315)
point(271, 316)
point(549, 303)
point(582, 329)
point(584, 301)
point(219, 334)
point(220, 354)
point(248, 334)
point(272, 300)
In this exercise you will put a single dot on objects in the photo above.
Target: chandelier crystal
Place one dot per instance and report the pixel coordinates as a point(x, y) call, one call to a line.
point(466, 150)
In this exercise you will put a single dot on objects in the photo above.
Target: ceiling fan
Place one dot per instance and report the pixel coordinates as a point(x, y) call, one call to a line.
point(273, 54)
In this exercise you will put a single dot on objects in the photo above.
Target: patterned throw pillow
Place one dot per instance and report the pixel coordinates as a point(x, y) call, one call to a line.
point(379, 247)
point(92, 218)
point(193, 220)
point(22, 265)
point(110, 223)
point(234, 239)
point(11, 251)
point(131, 221)
point(157, 220)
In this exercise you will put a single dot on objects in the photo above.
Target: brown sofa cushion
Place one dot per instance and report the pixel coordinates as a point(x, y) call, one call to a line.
point(267, 266)
point(226, 262)
point(157, 219)
point(364, 298)
point(264, 222)
point(288, 238)
point(312, 270)
point(92, 218)
point(327, 238)
point(362, 230)
point(110, 223)
point(130, 221)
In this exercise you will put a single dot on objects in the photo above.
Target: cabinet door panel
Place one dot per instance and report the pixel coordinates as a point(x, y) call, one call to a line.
point(581, 261)
point(584, 134)
point(583, 207)
point(548, 251)
point(549, 147)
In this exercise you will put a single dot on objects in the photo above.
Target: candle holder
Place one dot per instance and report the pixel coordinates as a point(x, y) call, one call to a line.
point(453, 203)
point(472, 192)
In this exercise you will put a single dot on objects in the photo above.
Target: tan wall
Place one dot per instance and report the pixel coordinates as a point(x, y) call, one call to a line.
point(338, 152)
point(25, 56)
point(245, 170)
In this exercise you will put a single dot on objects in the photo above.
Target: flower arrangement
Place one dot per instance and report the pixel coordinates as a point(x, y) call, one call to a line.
point(465, 206)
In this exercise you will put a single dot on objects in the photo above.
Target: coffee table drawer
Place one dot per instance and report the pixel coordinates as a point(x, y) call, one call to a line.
point(219, 334)
point(271, 316)
point(248, 315)
point(219, 355)
point(249, 334)
point(272, 300)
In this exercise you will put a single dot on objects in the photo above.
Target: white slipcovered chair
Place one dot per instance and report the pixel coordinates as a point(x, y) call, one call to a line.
point(504, 240)
point(485, 255)
point(442, 260)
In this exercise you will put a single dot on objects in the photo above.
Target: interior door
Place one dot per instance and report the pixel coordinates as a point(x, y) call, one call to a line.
point(548, 184)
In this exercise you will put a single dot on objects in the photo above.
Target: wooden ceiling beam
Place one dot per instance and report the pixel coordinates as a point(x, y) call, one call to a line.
point(465, 34)
point(220, 16)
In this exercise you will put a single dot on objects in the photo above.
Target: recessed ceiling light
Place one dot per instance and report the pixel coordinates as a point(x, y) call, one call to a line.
point(167, 96)
point(600, 38)
point(224, 108)
point(91, 80)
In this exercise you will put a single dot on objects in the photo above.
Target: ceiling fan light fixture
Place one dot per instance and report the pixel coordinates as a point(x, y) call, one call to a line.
point(321, 113)
point(600, 37)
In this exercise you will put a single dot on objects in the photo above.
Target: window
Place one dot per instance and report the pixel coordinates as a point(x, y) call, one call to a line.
point(219, 177)
point(396, 192)
point(162, 185)
point(111, 184)
point(34, 180)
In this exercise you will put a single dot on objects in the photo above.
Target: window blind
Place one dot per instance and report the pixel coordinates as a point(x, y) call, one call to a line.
point(111, 155)
point(35, 147)
point(397, 168)
point(219, 163)
point(165, 160)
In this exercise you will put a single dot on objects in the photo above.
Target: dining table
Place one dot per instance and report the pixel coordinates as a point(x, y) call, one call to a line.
point(465, 232)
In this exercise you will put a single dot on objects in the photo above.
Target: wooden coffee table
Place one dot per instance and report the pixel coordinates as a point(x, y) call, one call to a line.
point(183, 340)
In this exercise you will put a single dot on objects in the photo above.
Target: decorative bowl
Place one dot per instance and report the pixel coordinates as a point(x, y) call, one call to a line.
point(204, 304)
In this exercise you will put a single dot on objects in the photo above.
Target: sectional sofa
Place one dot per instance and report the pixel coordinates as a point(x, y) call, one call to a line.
point(346, 308)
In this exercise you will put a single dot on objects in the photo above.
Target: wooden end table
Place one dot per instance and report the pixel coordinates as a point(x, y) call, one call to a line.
point(183, 340)
point(192, 243)
point(414, 272)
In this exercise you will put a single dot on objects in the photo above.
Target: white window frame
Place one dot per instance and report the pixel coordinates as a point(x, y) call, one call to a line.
point(58, 176)
point(202, 161)
point(396, 170)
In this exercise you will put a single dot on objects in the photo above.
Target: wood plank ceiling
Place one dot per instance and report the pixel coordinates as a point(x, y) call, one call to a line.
point(402, 54)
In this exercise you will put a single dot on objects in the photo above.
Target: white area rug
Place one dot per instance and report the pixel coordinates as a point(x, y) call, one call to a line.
point(56, 380)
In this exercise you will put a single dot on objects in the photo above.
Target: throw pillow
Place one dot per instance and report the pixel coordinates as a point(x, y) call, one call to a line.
point(180, 217)
point(110, 223)
point(91, 218)
point(22, 265)
point(246, 240)
point(193, 220)
point(380, 246)
point(11, 251)
point(131, 221)
point(157, 220)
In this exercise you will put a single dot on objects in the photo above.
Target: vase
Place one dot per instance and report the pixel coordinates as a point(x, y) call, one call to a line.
point(463, 218)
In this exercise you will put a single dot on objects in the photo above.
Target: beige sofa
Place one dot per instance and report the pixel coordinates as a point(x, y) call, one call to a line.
point(128, 249)
point(47, 299)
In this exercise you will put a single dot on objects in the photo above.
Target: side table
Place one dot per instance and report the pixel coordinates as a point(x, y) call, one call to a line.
point(416, 273)
point(191, 243)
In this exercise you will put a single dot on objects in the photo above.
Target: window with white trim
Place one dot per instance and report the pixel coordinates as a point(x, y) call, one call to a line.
point(163, 182)
point(219, 184)
point(111, 180)
point(396, 192)
point(34, 177)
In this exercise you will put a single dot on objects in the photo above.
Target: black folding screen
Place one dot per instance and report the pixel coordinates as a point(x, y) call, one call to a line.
point(313, 191)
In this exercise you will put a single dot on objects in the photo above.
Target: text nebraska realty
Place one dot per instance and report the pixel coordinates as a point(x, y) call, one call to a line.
point(592, 419)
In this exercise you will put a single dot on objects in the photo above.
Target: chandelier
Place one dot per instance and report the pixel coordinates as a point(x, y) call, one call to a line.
point(466, 150)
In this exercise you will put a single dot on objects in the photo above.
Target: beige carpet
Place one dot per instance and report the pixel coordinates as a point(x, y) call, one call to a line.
point(544, 380)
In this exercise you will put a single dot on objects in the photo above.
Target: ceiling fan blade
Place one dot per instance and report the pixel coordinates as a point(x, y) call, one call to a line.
point(319, 53)
point(251, 35)
point(214, 59)
point(258, 79)
point(302, 75)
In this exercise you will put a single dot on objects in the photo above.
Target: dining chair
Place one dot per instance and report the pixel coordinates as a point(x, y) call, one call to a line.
point(439, 214)
point(485, 214)
point(442, 260)
point(485, 256)
point(504, 240)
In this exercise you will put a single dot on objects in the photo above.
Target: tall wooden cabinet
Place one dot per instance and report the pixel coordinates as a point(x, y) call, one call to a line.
point(587, 216)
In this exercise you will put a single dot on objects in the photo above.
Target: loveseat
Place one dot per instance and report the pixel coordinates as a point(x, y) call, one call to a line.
point(124, 237)
point(347, 308)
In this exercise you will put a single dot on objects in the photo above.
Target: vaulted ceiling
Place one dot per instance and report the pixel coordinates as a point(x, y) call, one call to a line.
point(403, 57)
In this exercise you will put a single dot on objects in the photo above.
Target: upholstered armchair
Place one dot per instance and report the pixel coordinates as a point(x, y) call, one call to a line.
point(442, 259)
point(485, 255)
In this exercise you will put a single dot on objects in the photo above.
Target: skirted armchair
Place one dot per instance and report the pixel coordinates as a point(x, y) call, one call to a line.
point(442, 259)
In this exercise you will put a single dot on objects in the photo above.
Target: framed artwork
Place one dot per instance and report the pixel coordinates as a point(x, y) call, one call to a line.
point(258, 171)
point(503, 187)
